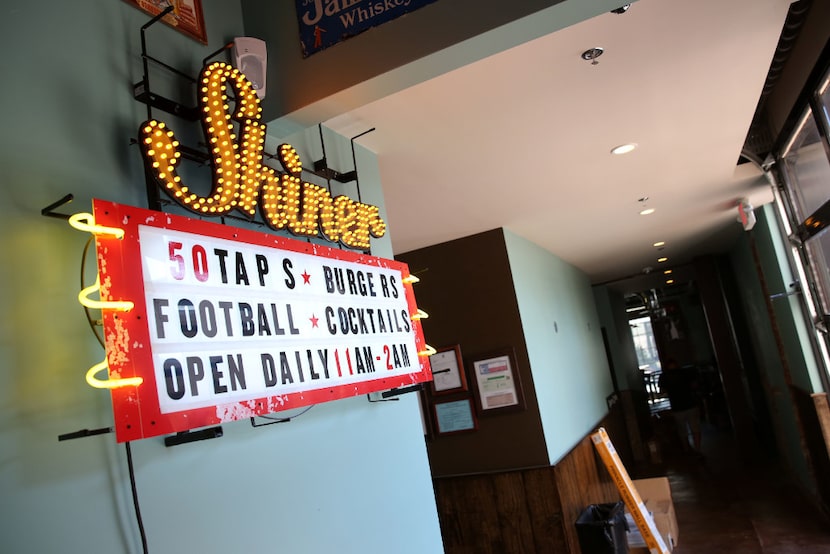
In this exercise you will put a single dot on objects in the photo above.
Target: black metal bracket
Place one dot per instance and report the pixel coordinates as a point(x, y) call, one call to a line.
point(321, 169)
point(391, 394)
point(225, 47)
point(270, 421)
point(141, 90)
point(84, 433)
point(192, 436)
point(49, 211)
point(795, 288)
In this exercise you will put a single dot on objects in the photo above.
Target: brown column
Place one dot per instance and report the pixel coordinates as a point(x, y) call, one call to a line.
point(731, 369)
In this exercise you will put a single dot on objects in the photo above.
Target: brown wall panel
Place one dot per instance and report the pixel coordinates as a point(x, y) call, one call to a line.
point(466, 288)
point(545, 510)
point(516, 529)
point(726, 352)
point(525, 511)
point(582, 480)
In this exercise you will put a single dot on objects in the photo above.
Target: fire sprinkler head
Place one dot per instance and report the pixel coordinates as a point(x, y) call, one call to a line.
point(592, 54)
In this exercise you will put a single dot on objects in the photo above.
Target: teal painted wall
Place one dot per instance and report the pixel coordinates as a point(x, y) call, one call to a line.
point(346, 477)
point(564, 344)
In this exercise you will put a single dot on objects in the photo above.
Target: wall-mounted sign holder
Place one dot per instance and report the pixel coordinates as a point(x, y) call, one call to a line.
point(141, 90)
point(392, 394)
point(185, 437)
point(82, 433)
point(49, 211)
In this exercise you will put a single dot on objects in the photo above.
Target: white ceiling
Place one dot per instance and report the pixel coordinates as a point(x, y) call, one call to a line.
point(521, 139)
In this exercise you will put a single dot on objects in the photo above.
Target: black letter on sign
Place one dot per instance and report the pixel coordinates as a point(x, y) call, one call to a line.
point(217, 374)
point(262, 268)
point(285, 369)
point(158, 303)
point(246, 316)
point(174, 378)
point(269, 370)
point(222, 254)
point(195, 372)
point(237, 372)
point(241, 272)
point(329, 278)
point(207, 318)
point(289, 279)
point(187, 318)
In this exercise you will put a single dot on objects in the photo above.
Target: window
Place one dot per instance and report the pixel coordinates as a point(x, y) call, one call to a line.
point(805, 174)
point(807, 168)
point(644, 344)
point(649, 362)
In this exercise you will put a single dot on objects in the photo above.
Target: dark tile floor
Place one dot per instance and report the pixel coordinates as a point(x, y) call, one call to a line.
point(726, 505)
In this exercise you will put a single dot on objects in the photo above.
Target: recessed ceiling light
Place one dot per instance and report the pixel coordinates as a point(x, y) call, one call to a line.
point(659, 243)
point(669, 281)
point(624, 148)
point(661, 260)
point(667, 272)
point(647, 211)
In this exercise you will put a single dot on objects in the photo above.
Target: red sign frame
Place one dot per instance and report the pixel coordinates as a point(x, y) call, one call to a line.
point(133, 336)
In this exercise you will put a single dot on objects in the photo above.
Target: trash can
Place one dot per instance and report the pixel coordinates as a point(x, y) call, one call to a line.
point(601, 529)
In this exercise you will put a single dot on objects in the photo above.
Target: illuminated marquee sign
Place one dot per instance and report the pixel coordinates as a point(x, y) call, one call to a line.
point(241, 181)
point(228, 323)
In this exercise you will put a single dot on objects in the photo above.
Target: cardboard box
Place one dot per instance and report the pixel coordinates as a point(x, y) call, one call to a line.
point(656, 495)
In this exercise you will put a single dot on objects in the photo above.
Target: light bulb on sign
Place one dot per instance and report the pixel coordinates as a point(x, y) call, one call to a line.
point(427, 351)
point(420, 314)
point(93, 381)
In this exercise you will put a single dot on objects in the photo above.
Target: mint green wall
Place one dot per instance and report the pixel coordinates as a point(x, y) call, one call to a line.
point(564, 344)
point(771, 253)
point(346, 477)
point(611, 309)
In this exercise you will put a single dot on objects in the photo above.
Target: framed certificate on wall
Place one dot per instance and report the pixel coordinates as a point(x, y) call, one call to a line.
point(448, 371)
point(454, 416)
point(497, 385)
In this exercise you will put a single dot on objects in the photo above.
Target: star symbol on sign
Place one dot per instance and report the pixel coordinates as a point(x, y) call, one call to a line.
point(306, 278)
point(314, 320)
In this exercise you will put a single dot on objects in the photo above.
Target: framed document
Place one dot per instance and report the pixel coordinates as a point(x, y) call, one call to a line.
point(448, 371)
point(454, 416)
point(497, 384)
point(186, 17)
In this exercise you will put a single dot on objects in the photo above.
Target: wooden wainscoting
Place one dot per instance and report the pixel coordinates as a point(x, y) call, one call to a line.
point(524, 511)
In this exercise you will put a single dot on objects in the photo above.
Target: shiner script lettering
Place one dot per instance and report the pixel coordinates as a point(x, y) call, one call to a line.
point(241, 180)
